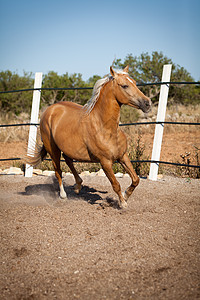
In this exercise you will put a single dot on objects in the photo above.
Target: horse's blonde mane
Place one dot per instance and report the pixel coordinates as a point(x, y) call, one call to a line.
point(95, 94)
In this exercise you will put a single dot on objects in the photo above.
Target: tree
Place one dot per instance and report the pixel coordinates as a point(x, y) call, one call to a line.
point(53, 80)
point(183, 94)
point(92, 80)
point(15, 102)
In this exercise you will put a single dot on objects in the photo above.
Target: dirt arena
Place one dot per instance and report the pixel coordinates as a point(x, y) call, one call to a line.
point(86, 248)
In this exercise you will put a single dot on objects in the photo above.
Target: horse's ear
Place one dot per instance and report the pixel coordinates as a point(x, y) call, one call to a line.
point(112, 72)
point(126, 69)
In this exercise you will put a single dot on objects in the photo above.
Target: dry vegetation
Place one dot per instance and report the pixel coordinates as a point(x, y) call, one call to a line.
point(17, 133)
point(180, 143)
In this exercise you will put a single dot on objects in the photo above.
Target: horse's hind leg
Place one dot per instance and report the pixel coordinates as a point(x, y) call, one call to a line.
point(55, 156)
point(53, 150)
point(125, 162)
point(78, 179)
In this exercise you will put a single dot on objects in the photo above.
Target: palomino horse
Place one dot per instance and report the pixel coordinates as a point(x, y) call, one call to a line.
point(91, 133)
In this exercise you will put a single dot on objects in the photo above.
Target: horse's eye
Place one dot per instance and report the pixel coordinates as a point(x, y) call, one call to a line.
point(124, 86)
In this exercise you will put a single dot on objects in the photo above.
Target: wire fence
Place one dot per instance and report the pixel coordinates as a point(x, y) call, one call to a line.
point(125, 124)
point(90, 88)
point(133, 161)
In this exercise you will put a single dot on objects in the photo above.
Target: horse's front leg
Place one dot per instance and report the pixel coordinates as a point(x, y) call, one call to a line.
point(126, 163)
point(107, 167)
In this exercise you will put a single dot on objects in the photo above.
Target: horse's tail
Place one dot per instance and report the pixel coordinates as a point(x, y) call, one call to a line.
point(36, 156)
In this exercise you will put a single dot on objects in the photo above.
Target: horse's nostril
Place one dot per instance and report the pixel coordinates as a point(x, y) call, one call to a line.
point(147, 104)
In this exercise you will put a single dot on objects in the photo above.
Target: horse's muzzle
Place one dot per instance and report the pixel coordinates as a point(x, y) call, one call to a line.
point(145, 105)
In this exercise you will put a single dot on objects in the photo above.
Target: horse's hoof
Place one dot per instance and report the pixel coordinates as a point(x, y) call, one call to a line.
point(77, 191)
point(123, 205)
point(77, 188)
point(63, 195)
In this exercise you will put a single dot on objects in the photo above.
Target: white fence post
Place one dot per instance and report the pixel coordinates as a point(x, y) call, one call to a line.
point(160, 118)
point(34, 119)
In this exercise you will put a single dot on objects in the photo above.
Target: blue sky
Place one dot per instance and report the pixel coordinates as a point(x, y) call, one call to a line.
point(85, 36)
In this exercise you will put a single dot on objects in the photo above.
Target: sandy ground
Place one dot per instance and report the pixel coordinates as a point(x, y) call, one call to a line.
point(86, 248)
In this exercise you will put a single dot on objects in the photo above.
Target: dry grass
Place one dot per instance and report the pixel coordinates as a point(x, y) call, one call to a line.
point(17, 133)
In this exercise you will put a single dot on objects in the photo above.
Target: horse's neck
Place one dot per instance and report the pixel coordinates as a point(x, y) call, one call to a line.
point(107, 109)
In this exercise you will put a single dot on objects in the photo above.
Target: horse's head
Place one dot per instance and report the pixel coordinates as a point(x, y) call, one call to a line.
point(126, 91)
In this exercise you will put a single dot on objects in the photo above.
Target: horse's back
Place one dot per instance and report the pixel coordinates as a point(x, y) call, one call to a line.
point(67, 111)
point(69, 105)
point(62, 107)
